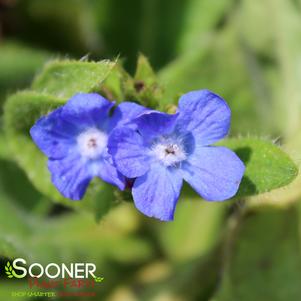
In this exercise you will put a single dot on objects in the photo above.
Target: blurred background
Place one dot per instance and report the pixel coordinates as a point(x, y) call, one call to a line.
point(249, 52)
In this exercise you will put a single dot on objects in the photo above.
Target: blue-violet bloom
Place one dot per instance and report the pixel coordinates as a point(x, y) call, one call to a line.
point(169, 148)
point(74, 138)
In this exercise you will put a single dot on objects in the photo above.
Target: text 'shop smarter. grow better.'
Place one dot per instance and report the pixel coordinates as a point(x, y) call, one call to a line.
point(154, 151)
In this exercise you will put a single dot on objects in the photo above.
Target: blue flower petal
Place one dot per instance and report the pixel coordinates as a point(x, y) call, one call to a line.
point(125, 113)
point(205, 114)
point(129, 152)
point(152, 124)
point(108, 173)
point(156, 193)
point(214, 172)
point(53, 135)
point(87, 109)
point(70, 176)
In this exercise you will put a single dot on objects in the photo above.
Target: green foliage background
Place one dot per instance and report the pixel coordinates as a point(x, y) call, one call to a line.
point(248, 51)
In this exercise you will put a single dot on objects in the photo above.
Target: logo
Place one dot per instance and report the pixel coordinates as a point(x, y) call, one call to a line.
point(19, 269)
point(99, 279)
point(59, 280)
point(10, 272)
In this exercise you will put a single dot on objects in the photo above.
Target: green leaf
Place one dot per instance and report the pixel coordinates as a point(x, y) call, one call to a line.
point(267, 166)
point(146, 84)
point(64, 78)
point(263, 258)
point(114, 85)
point(144, 71)
point(143, 88)
point(23, 109)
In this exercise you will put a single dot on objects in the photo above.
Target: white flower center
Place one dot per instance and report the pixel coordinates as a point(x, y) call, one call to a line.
point(92, 143)
point(169, 151)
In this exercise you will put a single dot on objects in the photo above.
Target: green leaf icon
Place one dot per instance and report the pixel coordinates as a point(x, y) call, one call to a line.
point(99, 279)
point(8, 270)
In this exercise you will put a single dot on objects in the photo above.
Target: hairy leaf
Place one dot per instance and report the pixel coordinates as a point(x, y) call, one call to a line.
point(267, 166)
point(65, 78)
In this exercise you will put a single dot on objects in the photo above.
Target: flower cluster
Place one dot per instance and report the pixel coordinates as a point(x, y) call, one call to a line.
point(156, 151)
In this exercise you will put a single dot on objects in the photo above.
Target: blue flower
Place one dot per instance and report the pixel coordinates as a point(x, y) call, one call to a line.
point(167, 149)
point(74, 138)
